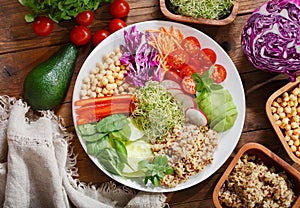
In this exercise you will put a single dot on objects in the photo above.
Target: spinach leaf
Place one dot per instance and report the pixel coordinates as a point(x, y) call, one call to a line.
point(87, 129)
point(114, 122)
point(110, 161)
point(94, 148)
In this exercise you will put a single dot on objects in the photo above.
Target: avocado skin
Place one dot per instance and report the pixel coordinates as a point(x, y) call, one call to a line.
point(46, 85)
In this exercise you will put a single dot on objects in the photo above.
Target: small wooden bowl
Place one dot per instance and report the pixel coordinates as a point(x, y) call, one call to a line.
point(181, 18)
point(270, 159)
point(279, 132)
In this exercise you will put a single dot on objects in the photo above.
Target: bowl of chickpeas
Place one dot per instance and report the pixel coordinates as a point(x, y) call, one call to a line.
point(283, 111)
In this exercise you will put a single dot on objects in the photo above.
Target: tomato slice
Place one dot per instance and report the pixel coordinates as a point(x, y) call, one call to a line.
point(187, 70)
point(172, 75)
point(177, 59)
point(199, 66)
point(219, 74)
point(188, 85)
point(211, 54)
point(191, 45)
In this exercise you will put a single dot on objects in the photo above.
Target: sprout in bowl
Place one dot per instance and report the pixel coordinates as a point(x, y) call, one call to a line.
point(271, 37)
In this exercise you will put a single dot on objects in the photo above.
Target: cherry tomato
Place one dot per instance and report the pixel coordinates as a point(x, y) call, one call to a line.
point(119, 8)
point(211, 54)
point(172, 75)
point(188, 85)
point(116, 24)
point(99, 36)
point(80, 35)
point(177, 59)
point(191, 45)
point(219, 74)
point(85, 18)
point(187, 70)
point(203, 62)
point(42, 26)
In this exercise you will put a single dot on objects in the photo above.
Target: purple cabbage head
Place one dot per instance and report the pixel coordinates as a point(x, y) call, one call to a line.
point(271, 37)
point(141, 58)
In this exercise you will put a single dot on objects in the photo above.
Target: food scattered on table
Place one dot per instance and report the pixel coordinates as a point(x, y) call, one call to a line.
point(252, 183)
point(208, 9)
point(286, 112)
point(139, 111)
point(270, 38)
point(46, 85)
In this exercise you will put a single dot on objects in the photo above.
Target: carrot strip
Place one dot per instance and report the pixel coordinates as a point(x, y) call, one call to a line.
point(90, 114)
point(102, 100)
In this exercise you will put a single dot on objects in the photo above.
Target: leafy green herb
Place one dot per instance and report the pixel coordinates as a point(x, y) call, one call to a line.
point(59, 10)
point(156, 170)
point(209, 9)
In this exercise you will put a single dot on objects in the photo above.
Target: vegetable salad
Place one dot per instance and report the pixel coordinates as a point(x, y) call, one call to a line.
point(163, 126)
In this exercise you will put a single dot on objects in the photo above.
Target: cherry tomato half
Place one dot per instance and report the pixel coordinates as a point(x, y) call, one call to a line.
point(42, 25)
point(177, 59)
point(188, 85)
point(187, 70)
point(119, 8)
point(211, 54)
point(85, 18)
point(219, 74)
point(80, 35)
point(99, 36)
point(191, 45)
point(116, 24)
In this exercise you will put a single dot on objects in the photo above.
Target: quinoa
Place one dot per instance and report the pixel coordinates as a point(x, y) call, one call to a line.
point(189, 149)
point(253, 184)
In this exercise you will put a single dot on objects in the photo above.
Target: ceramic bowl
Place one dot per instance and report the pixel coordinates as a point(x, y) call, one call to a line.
point(286, 88)
point(270, 159)
point(181, 18)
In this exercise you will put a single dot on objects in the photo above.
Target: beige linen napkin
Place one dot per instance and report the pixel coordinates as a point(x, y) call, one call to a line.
point(38, 167)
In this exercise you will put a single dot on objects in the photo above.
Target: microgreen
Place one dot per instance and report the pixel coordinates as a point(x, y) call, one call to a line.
point(209, 9)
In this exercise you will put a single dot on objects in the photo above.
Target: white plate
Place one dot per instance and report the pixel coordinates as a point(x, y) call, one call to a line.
point(227, 141)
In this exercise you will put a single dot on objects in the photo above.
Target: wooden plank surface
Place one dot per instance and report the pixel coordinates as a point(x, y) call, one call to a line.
point(21, 50)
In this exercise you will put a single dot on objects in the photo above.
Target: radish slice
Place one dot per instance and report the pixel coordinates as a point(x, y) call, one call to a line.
point(175, 91)
point(196, 116)
point(186, 100)
point(168, 84)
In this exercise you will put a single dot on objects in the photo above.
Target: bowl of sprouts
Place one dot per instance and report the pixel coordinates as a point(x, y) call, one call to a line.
point(158, 106)
point(206, 12)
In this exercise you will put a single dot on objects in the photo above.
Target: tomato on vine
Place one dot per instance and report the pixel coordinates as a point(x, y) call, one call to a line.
point(42, 25)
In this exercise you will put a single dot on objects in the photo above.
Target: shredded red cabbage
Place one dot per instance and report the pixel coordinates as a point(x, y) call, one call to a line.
point(141, 58)
point(271, 37)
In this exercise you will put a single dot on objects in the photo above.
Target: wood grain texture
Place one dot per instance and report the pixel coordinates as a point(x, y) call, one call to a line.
point(21, 50)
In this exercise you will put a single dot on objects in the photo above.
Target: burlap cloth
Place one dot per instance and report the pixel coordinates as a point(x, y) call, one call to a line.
point(38, 166)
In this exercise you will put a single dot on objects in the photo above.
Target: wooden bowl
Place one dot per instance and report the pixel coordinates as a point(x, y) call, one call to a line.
point(279, 132)
point(181, 18)
point(270, 159)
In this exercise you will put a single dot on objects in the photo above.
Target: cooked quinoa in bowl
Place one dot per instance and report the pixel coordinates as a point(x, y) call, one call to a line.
point(256, 177)
point(253, 184)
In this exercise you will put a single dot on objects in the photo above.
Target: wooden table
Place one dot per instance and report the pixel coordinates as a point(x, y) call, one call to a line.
point(21, 50)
